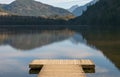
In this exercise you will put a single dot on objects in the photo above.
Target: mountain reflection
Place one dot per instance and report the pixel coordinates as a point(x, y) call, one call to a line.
point(106, 40)
point(63, 44)
point(78, 38)
point(27, 41)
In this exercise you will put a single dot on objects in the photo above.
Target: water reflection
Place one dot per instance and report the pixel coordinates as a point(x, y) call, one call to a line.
point(106, 40)
point(27, 41)
point(65, 44)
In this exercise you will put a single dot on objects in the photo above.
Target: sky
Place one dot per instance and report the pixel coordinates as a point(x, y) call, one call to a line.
point(57, 3)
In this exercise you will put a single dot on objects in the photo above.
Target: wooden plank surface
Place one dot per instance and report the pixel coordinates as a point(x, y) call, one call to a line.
point(61, 68)
point(83, 63)
point(62, 71)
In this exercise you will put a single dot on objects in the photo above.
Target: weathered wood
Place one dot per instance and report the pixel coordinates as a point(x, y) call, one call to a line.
point(62, 68)
point(62, 71)
point(83, 63)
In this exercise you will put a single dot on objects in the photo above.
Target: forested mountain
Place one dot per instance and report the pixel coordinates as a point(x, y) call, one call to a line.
point(34, 8)
point(28, 20)
point(104, 12)
point(79, 10)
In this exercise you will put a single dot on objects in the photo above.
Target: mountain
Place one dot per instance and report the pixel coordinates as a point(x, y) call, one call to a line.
point(73, 8)
point(34, 8)
point(104, 12)
point(3, 13)
point(1, 10)
point(79, 10)
point(2, 5)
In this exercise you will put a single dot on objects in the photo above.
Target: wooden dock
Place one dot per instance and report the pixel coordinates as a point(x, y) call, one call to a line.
point(61, 68)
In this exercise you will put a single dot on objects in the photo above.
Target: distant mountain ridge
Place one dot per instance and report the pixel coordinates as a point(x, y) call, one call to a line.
point(79, 10)
point(104, 12)
point(73, 8)
point(3, 13)
point(34, 8)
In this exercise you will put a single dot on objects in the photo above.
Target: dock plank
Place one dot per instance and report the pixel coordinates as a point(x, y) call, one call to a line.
point(83, 63)
point(62, 71)
point(62, 68)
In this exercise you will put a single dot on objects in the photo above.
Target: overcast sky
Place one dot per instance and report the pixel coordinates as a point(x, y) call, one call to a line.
point(58, 3)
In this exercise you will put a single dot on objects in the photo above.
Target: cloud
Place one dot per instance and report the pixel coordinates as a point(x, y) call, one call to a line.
point(6, 1)
point(65, 3)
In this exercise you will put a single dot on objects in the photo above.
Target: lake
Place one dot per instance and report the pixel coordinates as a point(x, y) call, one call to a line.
point(19, 48)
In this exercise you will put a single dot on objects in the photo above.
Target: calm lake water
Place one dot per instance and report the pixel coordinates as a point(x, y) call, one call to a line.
point(18, 49)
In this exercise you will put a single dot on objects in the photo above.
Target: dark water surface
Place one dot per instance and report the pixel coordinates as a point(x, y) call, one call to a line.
point(18, 49)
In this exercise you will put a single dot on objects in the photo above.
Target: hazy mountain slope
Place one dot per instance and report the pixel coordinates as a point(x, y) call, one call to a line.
point(1, 10)
point(104, 12)
point(2, 5)
point(34, 8)
point(3, 13)
point(73, 8)
point(79, 10)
